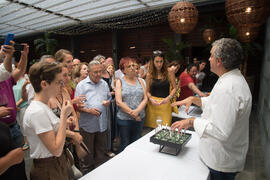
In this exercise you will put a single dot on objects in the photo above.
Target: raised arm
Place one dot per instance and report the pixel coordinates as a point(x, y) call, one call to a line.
point(7, 51)
point(20, 70)
point(188, 101)
point(55, 142)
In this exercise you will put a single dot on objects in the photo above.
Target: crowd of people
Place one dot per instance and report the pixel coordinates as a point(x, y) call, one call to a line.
point(68, 113)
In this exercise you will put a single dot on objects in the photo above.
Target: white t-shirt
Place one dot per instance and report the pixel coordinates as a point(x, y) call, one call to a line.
point(4, 74)
point(38, 119)
point(30, 92)
point(199, 77)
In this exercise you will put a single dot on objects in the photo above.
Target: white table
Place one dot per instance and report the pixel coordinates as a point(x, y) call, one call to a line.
point(194, 111)
point(142, 161)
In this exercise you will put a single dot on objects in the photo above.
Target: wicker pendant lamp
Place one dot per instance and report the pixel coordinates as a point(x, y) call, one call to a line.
point(247, 34)
point(183, 17)
point(247, 16)
point(247, 12)
point(209, 35)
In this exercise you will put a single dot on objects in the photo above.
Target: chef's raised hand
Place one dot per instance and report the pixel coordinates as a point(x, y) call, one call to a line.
point(186, 102)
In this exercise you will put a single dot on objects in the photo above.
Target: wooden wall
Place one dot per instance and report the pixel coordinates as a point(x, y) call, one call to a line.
point(93, 44)
point(146, 40)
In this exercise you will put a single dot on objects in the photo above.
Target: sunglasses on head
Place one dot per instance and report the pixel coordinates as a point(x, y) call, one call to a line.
point(157, 52)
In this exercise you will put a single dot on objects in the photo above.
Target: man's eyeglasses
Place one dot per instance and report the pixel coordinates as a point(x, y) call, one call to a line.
point(157, 52)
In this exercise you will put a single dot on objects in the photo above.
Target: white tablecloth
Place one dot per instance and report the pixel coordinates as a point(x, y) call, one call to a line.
point(142, 161)
point(194, 111)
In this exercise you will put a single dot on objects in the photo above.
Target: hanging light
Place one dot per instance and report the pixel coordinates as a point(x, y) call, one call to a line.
point(183, 17)
point(247, 34)
point(209, 35)
point(247, 16)
point(247, 12)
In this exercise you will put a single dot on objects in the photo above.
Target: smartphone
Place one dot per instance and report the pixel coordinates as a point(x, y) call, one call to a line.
point(18, 47)
point(9, 37)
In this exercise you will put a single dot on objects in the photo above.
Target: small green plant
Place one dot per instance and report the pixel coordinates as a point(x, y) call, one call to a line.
point(174, 51)
point(45, 45)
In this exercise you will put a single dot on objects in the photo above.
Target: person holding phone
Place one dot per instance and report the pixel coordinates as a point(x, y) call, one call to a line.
point(6, 67)
point(11, 154)
point(46, 132)
point(7, 95)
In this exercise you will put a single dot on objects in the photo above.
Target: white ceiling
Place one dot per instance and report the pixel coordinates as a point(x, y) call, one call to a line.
point(24, 17)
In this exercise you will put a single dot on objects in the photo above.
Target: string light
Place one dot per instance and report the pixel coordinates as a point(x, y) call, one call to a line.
point(138, 20)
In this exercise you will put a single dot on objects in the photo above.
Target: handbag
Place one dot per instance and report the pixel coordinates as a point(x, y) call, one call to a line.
point(73, 171)
point(81, 150)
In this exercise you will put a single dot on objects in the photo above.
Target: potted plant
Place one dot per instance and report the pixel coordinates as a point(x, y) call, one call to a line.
point(46, 45)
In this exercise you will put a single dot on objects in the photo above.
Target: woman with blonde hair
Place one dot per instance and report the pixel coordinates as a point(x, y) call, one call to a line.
point(80, 72)
point(161, 88)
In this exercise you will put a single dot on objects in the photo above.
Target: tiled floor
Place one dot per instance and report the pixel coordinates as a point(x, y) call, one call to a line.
point(254, 169)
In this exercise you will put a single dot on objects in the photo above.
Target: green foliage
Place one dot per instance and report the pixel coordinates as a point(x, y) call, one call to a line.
point(45, 45)
point(174, 52)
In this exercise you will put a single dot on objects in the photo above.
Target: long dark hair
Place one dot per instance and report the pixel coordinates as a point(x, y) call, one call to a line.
point(153, 74)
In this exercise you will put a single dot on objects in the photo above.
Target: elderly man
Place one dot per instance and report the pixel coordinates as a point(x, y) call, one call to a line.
point(223, 126)
point(93, 116)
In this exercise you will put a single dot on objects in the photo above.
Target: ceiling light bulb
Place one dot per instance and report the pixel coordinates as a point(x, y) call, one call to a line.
point(247, 33)
point(248, 10)
point(182, 20)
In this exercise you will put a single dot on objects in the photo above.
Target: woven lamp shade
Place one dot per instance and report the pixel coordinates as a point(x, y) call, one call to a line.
point(183, 17)
point(247, 12)
point(247, 34)
point(209, 35)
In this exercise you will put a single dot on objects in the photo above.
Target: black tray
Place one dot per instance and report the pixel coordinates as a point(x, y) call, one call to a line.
point(163, 139)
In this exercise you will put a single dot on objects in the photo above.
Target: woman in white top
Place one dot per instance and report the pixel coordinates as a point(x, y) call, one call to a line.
point(46, 133)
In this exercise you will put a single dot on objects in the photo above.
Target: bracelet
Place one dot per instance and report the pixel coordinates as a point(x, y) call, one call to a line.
point(170, 97)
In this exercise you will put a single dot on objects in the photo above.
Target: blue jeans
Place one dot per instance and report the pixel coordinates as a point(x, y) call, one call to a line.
point(130, 131)
point(16, 135)
point(218, 175)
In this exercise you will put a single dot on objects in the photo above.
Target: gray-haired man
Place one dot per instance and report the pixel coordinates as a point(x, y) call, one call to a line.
point(93, 117)
point(223, 127)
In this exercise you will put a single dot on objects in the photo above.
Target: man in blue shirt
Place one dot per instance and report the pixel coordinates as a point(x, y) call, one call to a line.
point(93, 116)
